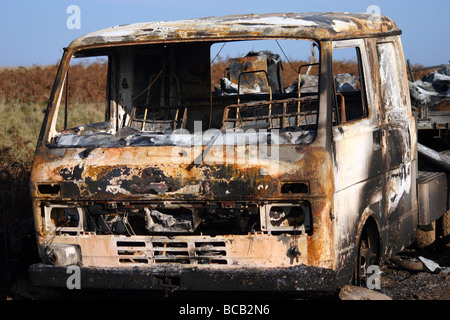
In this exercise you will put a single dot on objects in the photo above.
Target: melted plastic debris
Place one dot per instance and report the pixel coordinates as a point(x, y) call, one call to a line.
point(432, 89)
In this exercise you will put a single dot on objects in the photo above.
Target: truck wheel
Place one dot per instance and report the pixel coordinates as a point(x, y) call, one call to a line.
point(368, 253)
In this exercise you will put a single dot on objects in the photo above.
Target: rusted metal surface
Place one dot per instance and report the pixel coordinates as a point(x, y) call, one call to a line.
point(106, 171)
point(238, 251)
point(321, 26)
point(278, 181)
point(93, 181)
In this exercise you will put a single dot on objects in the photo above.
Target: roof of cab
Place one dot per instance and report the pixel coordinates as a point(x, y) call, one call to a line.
point(318, 26)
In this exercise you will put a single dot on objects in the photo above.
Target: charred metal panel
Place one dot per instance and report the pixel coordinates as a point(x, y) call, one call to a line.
point(129, 174)
point(256, 72)
point(123, 184)
point(291, 279)
point(400, 152)
point(374, 167)
point(324, 26)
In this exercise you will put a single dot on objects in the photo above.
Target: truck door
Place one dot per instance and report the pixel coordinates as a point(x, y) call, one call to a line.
point(357, 143)
point(399, 135)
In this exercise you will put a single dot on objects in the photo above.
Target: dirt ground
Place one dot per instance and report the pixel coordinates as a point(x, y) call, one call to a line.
point(401, 284)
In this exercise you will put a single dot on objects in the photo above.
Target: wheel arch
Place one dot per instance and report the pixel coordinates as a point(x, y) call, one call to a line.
point(369, 220)
point(368, 235)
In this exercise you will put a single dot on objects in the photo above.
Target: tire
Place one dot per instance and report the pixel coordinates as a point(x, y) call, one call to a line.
point(368, 253)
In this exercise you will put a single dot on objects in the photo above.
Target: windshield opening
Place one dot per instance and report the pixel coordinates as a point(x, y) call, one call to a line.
point(164, 94)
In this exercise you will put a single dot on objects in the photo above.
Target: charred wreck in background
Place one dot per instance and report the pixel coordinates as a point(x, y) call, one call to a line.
point(254, 184)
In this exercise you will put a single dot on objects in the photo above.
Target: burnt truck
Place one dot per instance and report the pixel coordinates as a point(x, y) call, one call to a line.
point(255, 182)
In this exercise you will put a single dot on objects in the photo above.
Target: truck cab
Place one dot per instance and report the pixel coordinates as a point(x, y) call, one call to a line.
point(251, 183)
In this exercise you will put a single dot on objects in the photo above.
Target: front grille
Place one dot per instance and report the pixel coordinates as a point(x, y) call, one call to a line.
point(210, 252)
point(172, 252)
point(131, 252)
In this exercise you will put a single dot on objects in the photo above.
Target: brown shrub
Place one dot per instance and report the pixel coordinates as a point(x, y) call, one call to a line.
point(289, 72)
point(420, 74)
point(33, 84)
point(87, 83)
point(26, 84)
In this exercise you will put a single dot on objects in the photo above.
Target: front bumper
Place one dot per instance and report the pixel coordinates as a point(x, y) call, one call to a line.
point(290, 279)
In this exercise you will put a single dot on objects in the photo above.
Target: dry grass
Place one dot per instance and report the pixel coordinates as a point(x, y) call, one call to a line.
point(20, 127)
point(24, 93)
point(33, 84)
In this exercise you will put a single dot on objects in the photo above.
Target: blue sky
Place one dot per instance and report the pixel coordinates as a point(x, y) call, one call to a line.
point(34, 32)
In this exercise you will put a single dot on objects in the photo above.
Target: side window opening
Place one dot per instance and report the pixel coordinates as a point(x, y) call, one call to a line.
point(267, 85)
point(350, 93)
